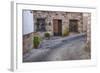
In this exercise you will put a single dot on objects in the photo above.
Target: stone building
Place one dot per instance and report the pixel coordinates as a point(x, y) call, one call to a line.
point(56, 22)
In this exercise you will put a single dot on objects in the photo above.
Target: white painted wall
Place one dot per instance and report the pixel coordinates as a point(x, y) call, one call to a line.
point(28, 26)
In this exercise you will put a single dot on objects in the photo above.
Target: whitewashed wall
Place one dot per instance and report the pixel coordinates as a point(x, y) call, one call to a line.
point(28, 23)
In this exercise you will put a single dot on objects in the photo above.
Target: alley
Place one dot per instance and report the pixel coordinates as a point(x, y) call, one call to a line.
point(67, 50)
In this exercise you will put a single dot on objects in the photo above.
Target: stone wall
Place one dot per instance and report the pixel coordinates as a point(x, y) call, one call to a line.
point(84, 20)
point(87, 23)
point(27, 42)
point(76, 16)
point(64, 16)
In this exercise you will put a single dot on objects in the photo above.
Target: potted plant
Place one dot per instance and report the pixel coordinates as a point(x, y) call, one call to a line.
point(36, 41)
point(66, 32)
point(47, 35)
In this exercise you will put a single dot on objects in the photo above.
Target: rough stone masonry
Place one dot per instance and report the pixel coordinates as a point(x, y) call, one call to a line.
point(56, 22)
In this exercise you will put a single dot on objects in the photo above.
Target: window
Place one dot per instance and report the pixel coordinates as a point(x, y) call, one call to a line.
point(40, 26)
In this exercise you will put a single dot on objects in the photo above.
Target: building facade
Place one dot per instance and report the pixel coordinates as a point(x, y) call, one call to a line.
point(56, 22)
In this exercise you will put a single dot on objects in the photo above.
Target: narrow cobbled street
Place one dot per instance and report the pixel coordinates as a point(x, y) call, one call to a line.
point(60, 50)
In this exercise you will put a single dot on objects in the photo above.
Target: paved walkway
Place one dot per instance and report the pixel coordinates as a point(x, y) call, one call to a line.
point(65, 49)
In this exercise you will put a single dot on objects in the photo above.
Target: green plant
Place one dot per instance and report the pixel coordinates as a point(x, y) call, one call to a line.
point(47, 35)
point(66, 32)
point(36, 41)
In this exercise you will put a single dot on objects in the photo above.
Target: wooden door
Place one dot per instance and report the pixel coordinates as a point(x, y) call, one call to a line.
point(57, 27)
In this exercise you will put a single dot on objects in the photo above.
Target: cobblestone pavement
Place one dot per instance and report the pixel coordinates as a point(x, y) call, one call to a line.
point(72, 49)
